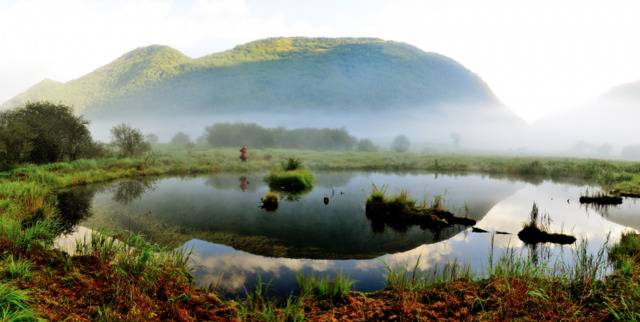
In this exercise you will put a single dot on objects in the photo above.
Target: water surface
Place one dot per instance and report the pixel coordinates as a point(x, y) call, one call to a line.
point(234, 241)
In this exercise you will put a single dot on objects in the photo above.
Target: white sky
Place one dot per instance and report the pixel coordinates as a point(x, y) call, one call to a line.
point(539, 56)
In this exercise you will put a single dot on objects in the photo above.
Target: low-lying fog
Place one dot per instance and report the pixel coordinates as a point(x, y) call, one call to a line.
point(605, 129)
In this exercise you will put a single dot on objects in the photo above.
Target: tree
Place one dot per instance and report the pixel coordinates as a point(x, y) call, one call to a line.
point(15, 142)
point(151, 138)
point(129, 141)
point(181, 139)
point(366, 145)
point(42, 132)
point(400, 143)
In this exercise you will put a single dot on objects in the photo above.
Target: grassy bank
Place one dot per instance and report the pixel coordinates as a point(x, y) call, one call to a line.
point(119, 276)
point(514, 289)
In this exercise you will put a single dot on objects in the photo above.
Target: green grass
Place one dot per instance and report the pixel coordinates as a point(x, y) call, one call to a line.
point(14, 305)
point(324, 287)
point(298, 180)
point(627, 249)
point(19, 268)
point(41, 232)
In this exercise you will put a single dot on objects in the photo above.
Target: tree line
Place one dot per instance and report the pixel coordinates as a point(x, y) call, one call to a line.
point(45, 132)
point(253, 135)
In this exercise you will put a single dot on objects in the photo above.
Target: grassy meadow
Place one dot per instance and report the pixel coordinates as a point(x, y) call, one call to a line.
point(121, 276)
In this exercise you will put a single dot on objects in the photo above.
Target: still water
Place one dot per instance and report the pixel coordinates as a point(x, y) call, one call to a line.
point(234, 241)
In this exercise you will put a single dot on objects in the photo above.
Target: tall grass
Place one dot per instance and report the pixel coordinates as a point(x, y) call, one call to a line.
point(257, 306)
point(133, 257)
point(18, 268)
point(41, 233)
point(408, 278)
point(324, 287)
point(14, 305)
point(582, 276)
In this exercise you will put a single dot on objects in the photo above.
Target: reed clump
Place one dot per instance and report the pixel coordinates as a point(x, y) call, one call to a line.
point(400, 211)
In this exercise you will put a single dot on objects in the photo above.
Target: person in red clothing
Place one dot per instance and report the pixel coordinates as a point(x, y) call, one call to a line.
point(244, 153)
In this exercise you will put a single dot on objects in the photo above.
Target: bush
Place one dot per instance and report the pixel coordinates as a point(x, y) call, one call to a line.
point(366, 145)
point(181, 139)
point(400, 144)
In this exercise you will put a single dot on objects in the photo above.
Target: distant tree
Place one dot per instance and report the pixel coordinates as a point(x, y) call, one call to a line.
point(152, 139)
point(455, 139)
point(181, 139)
point(631, 152)
point(366, 145)
point(129, 141)
point(42, 132)
point(238, 134)
point(400, 143)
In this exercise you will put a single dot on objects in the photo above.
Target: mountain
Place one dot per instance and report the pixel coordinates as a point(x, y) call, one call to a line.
point(280, 73)
point(276, 76)
point(601, 128)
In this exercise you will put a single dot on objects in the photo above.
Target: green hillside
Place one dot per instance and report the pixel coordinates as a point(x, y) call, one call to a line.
point(277, 74)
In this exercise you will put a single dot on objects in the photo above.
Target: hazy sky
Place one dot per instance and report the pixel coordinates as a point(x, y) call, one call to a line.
point(539, 57)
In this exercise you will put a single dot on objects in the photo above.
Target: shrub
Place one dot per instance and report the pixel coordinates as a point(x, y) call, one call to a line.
point(181, 139)
point(400, 144)
point(129, 141)
point(366, 145)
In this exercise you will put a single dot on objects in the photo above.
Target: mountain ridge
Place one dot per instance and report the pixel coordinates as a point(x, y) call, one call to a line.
point(131, 77)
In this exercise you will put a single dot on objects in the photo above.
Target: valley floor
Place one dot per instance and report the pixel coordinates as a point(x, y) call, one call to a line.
point(120, 276)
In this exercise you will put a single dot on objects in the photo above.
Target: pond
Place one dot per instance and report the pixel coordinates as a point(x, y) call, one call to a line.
point(235, 242)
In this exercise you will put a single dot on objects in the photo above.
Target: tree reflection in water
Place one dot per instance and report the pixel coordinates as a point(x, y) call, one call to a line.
point(128, 191)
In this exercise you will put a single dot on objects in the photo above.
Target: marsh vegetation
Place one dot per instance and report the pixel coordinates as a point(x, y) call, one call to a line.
point(122, 275)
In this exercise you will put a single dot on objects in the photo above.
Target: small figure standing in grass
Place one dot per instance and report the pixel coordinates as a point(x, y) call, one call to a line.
point(244, 153)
